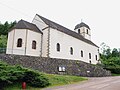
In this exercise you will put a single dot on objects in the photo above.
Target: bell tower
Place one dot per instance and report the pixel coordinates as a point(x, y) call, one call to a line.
point(84, 30)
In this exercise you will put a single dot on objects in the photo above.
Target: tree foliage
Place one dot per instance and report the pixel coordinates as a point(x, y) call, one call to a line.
point(3, 41)
point(4, 28)
point(110, 58)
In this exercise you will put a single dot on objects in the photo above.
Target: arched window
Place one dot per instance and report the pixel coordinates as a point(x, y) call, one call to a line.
point(19, 42)
point(58, 47)
point(33, 44)
point(71, 50)
point(90, 61)
point(89, 55)
point(81, 53)
point(79, 31)
point(87, 31)
point(96, 57)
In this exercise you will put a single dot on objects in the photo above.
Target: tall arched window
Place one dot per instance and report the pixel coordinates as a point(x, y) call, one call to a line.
point(58, 47)
point(96, 57)
point(87, 31)
point(81, 53)
point(19, 42)
point(33, 44)
point(89, 55)
point(71, 50)
point(79, 31)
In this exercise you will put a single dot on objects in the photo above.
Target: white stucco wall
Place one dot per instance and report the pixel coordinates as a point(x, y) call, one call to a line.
point(30, 37)
point(10, 42)
point(27, 37)
point(45, 43)
point(39, 23)
point(19, 33)
point(66, 42)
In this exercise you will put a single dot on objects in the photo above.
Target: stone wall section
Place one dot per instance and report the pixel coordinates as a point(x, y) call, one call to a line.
point(53, 65)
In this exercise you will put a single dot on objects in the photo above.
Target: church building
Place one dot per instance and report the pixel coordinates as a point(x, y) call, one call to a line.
point(45, 38)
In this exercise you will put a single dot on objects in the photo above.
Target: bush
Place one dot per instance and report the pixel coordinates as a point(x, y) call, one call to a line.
point(12, 74)
point(115, 70)
point(35, 79)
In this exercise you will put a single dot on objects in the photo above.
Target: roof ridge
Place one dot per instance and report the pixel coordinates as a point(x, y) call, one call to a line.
point(25, 24)
point(65, 30)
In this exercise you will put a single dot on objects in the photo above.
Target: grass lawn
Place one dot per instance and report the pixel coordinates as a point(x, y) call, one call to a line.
point(55, 80)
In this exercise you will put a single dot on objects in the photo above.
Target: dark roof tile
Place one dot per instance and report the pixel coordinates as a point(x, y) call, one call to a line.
point(26, 25)
point(66, 30)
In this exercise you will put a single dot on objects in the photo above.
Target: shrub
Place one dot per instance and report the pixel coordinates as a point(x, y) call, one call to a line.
point(115, 70)
point(11, 74)
point(35, 79)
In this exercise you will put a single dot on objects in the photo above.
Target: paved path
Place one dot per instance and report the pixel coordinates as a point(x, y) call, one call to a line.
point(101, 83)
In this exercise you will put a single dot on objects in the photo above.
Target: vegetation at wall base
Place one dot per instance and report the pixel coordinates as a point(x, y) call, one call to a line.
point(10, 75)
point(13, 76)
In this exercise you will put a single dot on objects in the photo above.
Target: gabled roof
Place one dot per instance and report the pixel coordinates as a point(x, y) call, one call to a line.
point(82, 24)
point(26, 25)
point(65, 30)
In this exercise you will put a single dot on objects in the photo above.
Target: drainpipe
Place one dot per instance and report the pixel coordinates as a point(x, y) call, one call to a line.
point(48, 42)
point(26, 41)
point(13, 42)
point(41, 45)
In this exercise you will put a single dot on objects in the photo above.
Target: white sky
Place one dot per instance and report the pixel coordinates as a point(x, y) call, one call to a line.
point(102, 16)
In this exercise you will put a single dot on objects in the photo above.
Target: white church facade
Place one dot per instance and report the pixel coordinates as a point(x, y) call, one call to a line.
point(45, 38)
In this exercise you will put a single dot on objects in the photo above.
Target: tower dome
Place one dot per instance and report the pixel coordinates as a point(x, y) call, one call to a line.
point(82, 24)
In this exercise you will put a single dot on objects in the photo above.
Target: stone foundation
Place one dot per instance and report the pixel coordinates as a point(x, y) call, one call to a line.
point(56, 66)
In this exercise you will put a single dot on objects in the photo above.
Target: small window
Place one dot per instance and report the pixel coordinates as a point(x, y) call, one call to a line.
point(79, 31)
point(96, 57)
point(71, 50)
point(81, 53)
point(19, 42)
point(89, 55)
point(87, 31)
point(33, 44)
point(58, 47)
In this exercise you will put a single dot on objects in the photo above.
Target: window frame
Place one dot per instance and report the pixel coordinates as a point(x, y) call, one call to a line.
point(81, 53)
point(79, 31)
point(96, 57)
point(71, 50)
point(34, 44)
point(90, 56)
point(58, 47)
point(19, 42)
point(87, 31)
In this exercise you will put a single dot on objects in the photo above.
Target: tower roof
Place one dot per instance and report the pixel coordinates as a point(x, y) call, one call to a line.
point(82, 24)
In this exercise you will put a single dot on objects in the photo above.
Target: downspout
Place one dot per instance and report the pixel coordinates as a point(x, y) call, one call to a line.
point(48, 53)
point(41, 45)
point(26, 41)
point(13, 41)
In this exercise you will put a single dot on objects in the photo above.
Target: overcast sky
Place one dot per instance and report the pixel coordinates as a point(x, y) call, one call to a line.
point(102, 16)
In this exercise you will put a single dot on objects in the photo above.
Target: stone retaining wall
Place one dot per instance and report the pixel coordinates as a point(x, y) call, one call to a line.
point(54, 66)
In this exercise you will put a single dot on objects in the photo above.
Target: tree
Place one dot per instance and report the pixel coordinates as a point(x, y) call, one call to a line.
point(110, 58)
point(5, 27)
point(105, 50)
point(3, 41)
point(115, 53)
